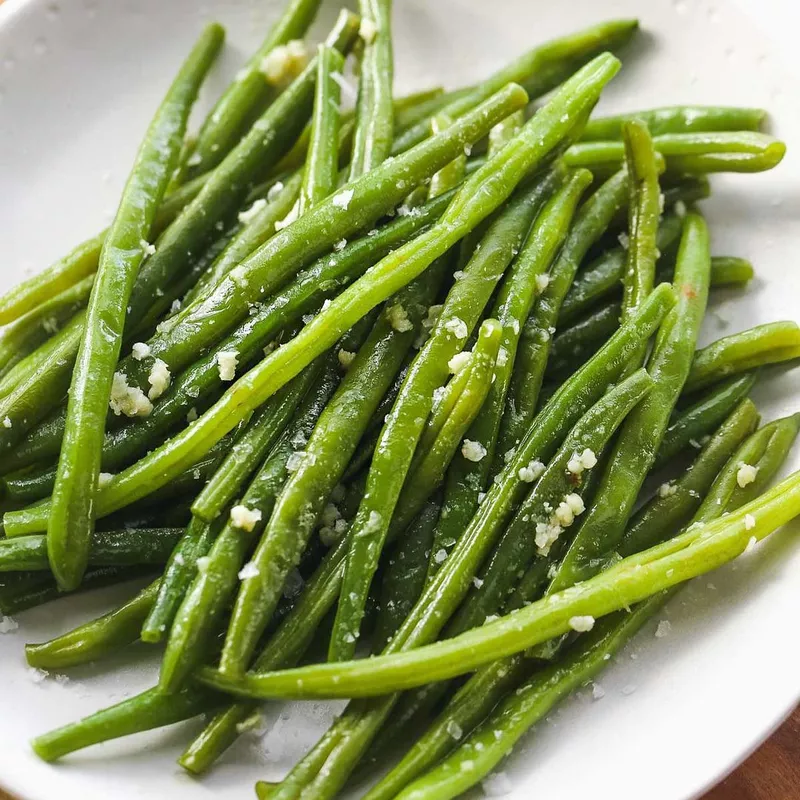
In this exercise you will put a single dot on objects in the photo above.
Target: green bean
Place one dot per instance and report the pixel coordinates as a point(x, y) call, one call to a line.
point(420, 106)
point(72, 519)
point(730, 271)
point(322, 165)
point(741, 151)
point(322, 278)
point(466, 479)
point(487, 745)
point(481, 193)
point(689, 426)
point(37, 588)
point(554, 503)
point(700, 550)
point(404, 579)
point(450, 174)
point(356, 728)
point(262, 432)
point(249, 93)
point(678, 119)
point(254, 232)
point(23, 336)
point(765, 451)
point(428, 372)
point(356, 206)
point(677, 502)
point(109, 548)
point(178, 575)
point(578, 341)
point(642, 432)
point(740, 352)
point(327, 453)
point(140, 713)
point(505, 131)
point(372, 142)
point(643, 218)
point(534, 346)
point(97, 638)
point(539, 71)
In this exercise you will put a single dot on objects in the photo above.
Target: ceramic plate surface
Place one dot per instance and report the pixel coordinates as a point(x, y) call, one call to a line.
point(79, 80)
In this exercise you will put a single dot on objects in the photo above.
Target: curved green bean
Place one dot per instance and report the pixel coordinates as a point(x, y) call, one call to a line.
point(249, 93)
point(764, 344)
point(71, 514)
point(678, 119)
point(96, 638)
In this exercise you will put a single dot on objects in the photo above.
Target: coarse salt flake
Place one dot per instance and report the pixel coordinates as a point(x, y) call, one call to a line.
point(457, 327)
point(249, 570)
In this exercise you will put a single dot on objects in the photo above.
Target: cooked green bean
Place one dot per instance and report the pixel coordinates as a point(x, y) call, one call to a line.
point(701, 549)
point(321, 279)
point(678, 119)
point(539, 70)
point(535, 341)
point(556, 501)
point(214, 584)
point(140, 713)
point(374, 133)
point(354, 731)
point(741, 151)
point(690, 425)
point(677, 502)
point(428, 373)
point(467, 479)
point(642, 432)
point(250, 92)
point(352, 209)
point(643, 217)
point(107, 549)
point(263, 430)
point(72, 509)
point(96, 638)
point(23, 336)
point(505, 131)
point(486, 746)
point(406, 569)
point(322, 164)
point(740, 352)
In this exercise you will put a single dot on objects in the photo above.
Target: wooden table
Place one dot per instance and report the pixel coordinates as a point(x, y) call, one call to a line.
point(771, 773)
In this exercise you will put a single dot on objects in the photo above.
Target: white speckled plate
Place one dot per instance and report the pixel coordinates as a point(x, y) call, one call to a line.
point(79, 80)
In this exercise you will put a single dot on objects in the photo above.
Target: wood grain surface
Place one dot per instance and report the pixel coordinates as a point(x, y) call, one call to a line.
point(771, 773)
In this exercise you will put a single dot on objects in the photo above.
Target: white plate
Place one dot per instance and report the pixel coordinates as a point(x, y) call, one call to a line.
point(79, 80)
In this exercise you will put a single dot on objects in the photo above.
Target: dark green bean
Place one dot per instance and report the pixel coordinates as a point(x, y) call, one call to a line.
point(690, 425)
point(97, 638)
point(72, 508)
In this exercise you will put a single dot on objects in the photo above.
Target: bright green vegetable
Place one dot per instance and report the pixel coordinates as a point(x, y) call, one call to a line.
point(322, 164)
point(249, 93)
point(374, 133)
point(96, 638)
point(465, 478)
point(741, 151)
point(72, 509)
point(678, 119)
point(740, 352)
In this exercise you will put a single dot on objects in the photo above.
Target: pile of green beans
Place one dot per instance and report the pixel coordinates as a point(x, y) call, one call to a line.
point(369, 392)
